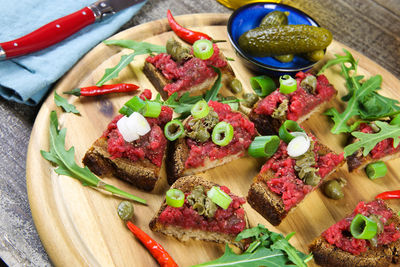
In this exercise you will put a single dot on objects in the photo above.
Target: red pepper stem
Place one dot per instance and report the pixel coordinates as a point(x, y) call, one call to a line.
point(218, 41)
point(389, 195)
point(76, 91)
point(158, 252)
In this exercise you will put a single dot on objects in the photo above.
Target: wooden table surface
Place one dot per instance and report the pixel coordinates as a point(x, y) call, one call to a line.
point(371, 27)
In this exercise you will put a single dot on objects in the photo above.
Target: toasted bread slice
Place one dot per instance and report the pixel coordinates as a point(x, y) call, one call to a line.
point(266, 124)
point(186, 185)
point(179, 152)
point(143, 174)
point(159, 81)
point(270, 204)
point(326, 254)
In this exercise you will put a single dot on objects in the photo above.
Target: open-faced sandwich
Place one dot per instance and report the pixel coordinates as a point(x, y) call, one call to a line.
point(383, 151)
point(214, 135)
point(183, 70)
point(199, 209)
point(285, 104)
point(370, 236)
point(298, 167)
point(132, 147)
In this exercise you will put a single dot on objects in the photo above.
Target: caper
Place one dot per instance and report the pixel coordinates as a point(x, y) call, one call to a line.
point(199, 207)
point(312, 179)
point(309, 84)
point(177, 51)
point(333, 189)
point(249, 100)
point(285, 58)
point(202, 135)
point(236, 86)
point(125, 210)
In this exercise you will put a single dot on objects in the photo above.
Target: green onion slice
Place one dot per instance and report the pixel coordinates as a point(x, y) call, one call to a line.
point(173, 130)
point(151, 109)
point(222, 133)
point(262, 85)
point(219, 197)
point(298, 145)
point(203, 49)
point(175, 198)
point(287, 126)
point(135, 103)
point(395, 120)
point(362, 227)
point(376, 170)
point(264, 146)
point(200, 109)
point(125, 111)
point(287, 84)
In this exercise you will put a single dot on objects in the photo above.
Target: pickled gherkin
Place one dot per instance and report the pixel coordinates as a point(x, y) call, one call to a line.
point(284, 39)
point(275, 18)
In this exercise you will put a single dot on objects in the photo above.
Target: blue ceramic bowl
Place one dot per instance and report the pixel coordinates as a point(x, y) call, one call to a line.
point(249, 17)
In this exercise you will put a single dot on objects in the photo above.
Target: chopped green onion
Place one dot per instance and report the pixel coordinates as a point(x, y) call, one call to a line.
point(299, 145)
point(125, 111)
point(219, 197)
point(203, 49)
point(151, 109)
point(135, 103)
point(262, 85)
point(264, 146)
point(376, 170)
point(287, 84)
point(200, 109)
point(173, 130)
point(222, 133)
point(395, 120)
point(175, 198)
point(287, 126)
point(362, 227)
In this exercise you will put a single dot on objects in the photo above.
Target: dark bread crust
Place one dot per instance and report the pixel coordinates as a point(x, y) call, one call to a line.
point(268, 203)
point(177, 154)
point(186, 185)
point(143, 174)
point(326, 254)
point(159, 81)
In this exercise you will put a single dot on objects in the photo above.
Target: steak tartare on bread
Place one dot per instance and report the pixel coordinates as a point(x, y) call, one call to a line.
point(337, 247)
point(284, 181)
point(137, 162)
point(312, 93)
point(199, 217)
point(197, 152)
point(179, 71)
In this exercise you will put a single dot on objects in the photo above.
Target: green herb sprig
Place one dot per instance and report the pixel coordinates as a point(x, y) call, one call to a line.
point(266, 249)
point(66, 165)
point(364, 103)
point(63, 103)
point(140, 48)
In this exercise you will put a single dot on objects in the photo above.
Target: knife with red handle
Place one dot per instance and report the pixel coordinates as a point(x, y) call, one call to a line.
point(62, 28)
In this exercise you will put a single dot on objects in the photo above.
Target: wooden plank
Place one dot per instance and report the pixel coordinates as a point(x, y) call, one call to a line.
point(79, 226)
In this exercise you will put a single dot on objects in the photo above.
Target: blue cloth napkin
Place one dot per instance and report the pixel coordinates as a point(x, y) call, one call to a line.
point(27, 79)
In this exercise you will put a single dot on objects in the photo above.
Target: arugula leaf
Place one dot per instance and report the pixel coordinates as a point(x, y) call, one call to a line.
point(369, 140)
point(294, 256)
point(363, 100)
point(261, 257)
point(66, 165)
point(62, 102)
point(213, 92)
point(141, 48)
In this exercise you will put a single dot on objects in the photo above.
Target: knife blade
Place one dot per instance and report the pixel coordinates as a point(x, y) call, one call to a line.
point(62, 28)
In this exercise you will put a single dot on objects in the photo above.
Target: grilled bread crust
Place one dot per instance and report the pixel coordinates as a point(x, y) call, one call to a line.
point(142, 173)
point(186, 185)
point(326, 254)
point(159, 81)
point(268, 203)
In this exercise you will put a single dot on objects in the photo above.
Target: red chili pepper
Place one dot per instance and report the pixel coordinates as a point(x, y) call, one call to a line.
point(389, 195)
point(183, 33)
point(158, 252)
point(104, 89)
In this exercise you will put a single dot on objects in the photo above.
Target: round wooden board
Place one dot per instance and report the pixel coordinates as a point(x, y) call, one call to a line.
point(79, 226)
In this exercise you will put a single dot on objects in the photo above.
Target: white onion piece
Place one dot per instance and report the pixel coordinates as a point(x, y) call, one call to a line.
point(298, 146)
point(125, 131)
point(137, 123)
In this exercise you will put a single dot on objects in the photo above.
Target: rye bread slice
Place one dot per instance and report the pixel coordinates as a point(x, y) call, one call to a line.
point(326, 254)
point(159, 81)
point(186, 185)
point(268, 203)
point(142, 173)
